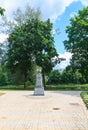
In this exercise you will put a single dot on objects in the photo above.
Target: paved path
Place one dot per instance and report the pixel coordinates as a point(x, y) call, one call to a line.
point(57, 110)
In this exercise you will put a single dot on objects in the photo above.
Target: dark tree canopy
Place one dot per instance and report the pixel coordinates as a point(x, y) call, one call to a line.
point(19, 51)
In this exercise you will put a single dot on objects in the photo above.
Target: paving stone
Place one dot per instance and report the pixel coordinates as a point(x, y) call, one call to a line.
point(57, 110)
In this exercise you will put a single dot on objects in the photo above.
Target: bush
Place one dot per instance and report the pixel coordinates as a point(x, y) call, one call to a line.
point(3, 79)
point(54, 77)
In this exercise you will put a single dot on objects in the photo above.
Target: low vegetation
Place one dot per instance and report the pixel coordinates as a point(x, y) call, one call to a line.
point(81, 87)
point(84, 96)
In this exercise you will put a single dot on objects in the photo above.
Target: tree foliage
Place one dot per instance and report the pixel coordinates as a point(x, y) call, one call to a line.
point(77, 42)
point(29, 43)
point(19, 18)
point(2, 11)
point(68, 76)
point(54, 77)
point(19, 51)
point(44, 47)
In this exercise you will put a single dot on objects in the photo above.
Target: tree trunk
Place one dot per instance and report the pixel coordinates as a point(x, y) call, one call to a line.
point(43, 77)
point(25, 81)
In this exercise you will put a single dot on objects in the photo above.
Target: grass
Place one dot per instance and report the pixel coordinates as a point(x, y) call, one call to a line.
point(83, 87)
point(16, 87)
point(84, 96)
point(68, 87)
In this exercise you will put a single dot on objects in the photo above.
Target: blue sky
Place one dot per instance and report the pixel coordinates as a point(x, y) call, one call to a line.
point(61, 23)
point(59, 11)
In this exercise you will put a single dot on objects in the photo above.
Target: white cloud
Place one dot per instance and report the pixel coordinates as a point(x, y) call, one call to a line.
point(49, 8)
point(3, 37)
point(84, 2)
point(63, 64)
point(73, 14)
point(12, 5)
point(52, 8)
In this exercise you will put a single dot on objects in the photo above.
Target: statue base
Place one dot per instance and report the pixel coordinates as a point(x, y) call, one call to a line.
point(39, 91)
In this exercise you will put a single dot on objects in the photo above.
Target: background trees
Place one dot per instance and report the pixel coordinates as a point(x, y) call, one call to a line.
point(54, 77)
point(67, 76)
point(77, 42)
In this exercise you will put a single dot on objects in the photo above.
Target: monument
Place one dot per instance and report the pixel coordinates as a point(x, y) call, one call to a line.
point(39, 89)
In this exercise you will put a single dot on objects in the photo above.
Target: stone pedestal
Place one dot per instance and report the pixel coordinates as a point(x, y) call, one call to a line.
point(39, 89)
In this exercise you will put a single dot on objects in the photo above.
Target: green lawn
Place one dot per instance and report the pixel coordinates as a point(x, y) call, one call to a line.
point(68, 87)
point(15, 87)
point(48, 87)
point(84, 96)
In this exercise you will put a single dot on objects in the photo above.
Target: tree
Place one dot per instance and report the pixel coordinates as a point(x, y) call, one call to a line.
point(31, 42)
point(69, 75)
point(1, 45)
point(31, 30)
point(19, 18)
point(44, 50)
point(19, 21)
point(2, 11)
point(20, 51)
point(77, 42)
